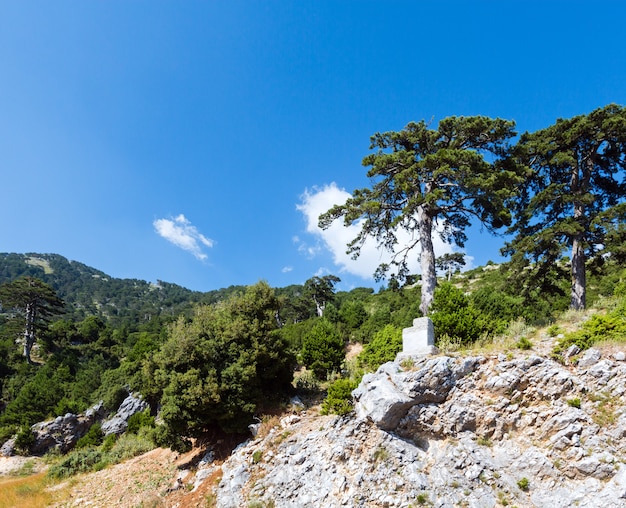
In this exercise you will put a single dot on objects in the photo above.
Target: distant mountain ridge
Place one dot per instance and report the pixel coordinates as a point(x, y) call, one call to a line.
point(88, 291)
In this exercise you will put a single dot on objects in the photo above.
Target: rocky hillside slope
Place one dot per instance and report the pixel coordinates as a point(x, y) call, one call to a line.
point(479, 431)
point(448, 430)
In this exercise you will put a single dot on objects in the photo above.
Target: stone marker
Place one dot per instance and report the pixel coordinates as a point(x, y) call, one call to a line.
point(419, 339)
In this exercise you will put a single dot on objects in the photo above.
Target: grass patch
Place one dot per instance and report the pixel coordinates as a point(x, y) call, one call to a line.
point(575, 402)
point(604, 413)
point(30, 492)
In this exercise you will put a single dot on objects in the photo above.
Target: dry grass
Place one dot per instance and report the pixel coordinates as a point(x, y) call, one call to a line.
point(30, 492)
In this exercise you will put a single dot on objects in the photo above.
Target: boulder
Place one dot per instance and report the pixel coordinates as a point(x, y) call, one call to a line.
point(63, 432)
point(119, 422)
point(386, 396)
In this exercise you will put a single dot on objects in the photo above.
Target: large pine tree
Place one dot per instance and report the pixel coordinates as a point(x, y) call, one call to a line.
point(424, 178)
point(36, 300)
point(575, 197)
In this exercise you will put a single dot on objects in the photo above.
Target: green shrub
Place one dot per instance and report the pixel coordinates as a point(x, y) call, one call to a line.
point(24, 440)
point(93, 437)
point(383, 347)
point(339, 398)
point(108, 443)
point(128, 446)
point(523, 484)
point(524, 343)
point(454, 315)
point(574, 402)
point(306, 382)
point(216, 368)
point(611, 326)
point(554, 330)
point(77, 461)
point(139, 420)
point(323, 349)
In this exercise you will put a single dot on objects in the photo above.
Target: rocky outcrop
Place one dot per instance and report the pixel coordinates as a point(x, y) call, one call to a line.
point(63, 432)
point(119, 422)
point(483, 431)
point(60, 434)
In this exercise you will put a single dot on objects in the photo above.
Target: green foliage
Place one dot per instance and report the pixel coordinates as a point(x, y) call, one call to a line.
point(353, 314)
point(523, 343)
point(323, 349)
point(306, 382)
point(36, 300)
point(92, 458)
point(523, 484)
point(24, 440)
point(599, 327)
point(80, 460)
point(93, 437)
point(554, 330)
point(384, 347)
point(339, 398)
point(573, 198)
point(294, 333)
point(140, 420)
point(575, 402)
point(217, 367)
point(419, 175)
point(455, 316)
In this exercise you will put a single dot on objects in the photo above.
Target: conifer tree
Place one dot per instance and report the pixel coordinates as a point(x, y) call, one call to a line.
point(425, 179)
point(574, 199)
point(36, 300)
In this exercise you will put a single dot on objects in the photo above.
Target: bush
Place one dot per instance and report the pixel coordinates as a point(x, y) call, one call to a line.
point(323, 349)
point(24, 440)
point(93, 437)
point(383, 347)
point(216, 368)
point(77, 461)
point(339, 398)
point(455, 316)
point(524, 343)
point(611, 326)
point(139, 420)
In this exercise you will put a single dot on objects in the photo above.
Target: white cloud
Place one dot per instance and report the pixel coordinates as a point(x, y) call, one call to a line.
point(336, 238)
point(287, 269)
point(183, 234)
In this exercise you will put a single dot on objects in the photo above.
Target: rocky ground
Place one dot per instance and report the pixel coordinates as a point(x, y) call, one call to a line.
point(487, 430)
point(479, 431)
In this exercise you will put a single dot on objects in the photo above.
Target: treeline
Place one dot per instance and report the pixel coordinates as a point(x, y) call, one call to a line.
point(228, 361)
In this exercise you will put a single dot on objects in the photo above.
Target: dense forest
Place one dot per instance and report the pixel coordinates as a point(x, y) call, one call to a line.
point(70, 335)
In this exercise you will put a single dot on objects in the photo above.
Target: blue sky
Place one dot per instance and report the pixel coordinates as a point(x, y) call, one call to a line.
point(194, 142)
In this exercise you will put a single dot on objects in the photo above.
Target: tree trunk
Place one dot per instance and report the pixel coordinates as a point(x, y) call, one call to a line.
point(427, 259)
point(579, 276)
point(29, 332)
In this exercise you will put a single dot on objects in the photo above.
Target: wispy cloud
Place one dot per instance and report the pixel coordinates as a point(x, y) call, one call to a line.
point(336, 238)
point(287, 269)
point(183, 234)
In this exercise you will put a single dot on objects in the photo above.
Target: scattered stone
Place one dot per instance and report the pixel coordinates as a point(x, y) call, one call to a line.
point(573, 350)
point(591, 357)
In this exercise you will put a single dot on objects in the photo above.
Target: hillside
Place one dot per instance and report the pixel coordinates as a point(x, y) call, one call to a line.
point(510, 412)
point(480, 429)
point(90, 292)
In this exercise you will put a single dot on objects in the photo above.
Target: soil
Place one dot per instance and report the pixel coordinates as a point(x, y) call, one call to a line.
point(149, 480)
